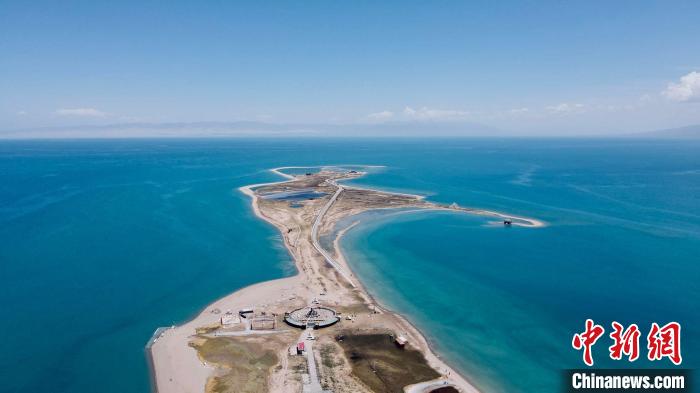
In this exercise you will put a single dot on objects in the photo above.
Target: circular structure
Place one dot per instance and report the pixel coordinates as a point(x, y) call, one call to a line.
point(311, 317)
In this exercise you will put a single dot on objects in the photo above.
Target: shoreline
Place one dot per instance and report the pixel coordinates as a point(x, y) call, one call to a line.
point(429, 343)
point(169, 350)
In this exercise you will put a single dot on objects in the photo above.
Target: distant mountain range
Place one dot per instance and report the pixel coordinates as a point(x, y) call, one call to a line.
point(260, 129)
point(688, 132)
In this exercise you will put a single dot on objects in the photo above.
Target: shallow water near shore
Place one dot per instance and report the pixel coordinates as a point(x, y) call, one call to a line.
point(104, 241)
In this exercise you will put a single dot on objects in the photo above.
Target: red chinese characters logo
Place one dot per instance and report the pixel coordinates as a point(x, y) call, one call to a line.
point(586, 340)
point(662, 342)
point(665, 342)
point(625, 342)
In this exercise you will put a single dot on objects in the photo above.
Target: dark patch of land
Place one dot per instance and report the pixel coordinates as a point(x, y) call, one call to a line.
point(316, 182)
point(381, 365)
point(446, 389)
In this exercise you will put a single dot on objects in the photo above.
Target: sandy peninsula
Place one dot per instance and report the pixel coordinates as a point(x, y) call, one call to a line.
point(241, 342)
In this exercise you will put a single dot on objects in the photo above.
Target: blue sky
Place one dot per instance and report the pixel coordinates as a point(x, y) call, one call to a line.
point(533, 67)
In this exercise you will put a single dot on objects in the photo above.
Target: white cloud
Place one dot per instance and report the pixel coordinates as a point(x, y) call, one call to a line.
point(564, 108)
point(425, 113)
point(687, 90)
point(519, 111)
point(80, 112)
point(22, 113)
point(420, 114)
point(383, 115)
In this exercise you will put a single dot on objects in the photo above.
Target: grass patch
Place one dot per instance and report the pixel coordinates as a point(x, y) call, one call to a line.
point(246, 364)
point(207, 329)
point(328, 356)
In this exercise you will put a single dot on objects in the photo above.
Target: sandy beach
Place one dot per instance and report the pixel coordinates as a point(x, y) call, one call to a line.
point(182, 356)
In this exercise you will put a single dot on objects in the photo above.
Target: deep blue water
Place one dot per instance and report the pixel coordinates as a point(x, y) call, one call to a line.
point(103, 241)
point(623, 244)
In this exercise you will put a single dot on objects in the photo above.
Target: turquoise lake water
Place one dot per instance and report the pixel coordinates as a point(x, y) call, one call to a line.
point(103, 241)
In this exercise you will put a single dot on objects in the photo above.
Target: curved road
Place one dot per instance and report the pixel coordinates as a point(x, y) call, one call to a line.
point(314, 235)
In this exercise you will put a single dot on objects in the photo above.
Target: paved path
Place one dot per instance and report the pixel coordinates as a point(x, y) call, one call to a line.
point(315, 384)
point(314, 235)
